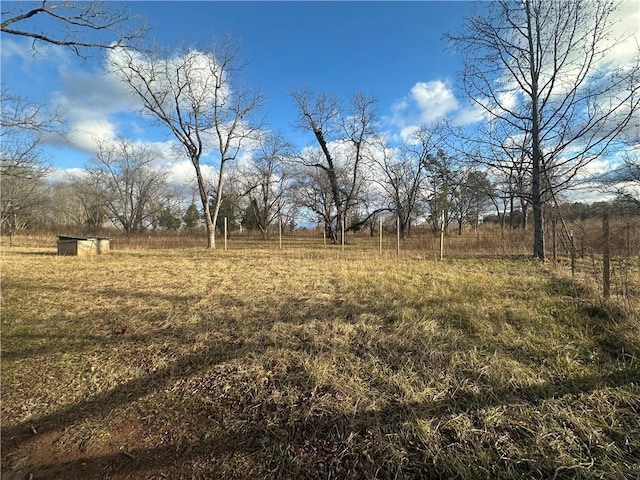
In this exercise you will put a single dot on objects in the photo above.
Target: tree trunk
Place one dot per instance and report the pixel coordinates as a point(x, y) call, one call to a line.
point(538, 220)
point(511, 219)
point(204, 199)
point(330, 233)
point(211, 230)
point(524, 206)
point(403, 228)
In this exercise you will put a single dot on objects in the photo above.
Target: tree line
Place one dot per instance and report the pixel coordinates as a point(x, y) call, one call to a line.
point(418, 183)
point(549, 105)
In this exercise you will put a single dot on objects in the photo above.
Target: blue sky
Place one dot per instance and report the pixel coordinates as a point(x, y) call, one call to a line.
point(393, 51)
point(380, 48)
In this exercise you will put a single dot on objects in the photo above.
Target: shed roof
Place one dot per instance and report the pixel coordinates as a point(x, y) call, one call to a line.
point(72, 237)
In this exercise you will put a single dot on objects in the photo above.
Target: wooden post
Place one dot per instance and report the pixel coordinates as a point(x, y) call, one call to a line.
point(397, 235)
point(442, 236)
point(606, 252)
point(554, 239)
point(225, 233)
point(380, 231)
point(11, 225)
point(342, 232)
point(572, 247)
point(324, 236)
point(280, 232)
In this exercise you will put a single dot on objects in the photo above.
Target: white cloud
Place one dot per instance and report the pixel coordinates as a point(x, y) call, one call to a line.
point(434, 100)
point(181, 173)
point(588, 194)
point(597, 167)
point(96, 91)
point(86, 133)
point(625, 34)
point(427, 102)
point(88, 100)
point(407, 134)
point(60, 175)
point(468, 115)
point(33, 57)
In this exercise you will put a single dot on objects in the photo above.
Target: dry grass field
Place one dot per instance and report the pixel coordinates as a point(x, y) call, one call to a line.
point(312, 363)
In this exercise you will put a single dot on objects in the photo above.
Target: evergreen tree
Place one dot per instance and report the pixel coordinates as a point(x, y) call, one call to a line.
point(191, 218)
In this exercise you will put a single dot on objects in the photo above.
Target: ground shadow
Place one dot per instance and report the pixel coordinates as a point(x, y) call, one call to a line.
point(310, 442)
point(296, 435)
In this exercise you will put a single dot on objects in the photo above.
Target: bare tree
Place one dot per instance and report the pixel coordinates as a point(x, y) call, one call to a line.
point(23, 166)
point(541, 67)
point(472, 192)
point(193, 94)
point(343, 136)
point(403, 173)
point(130, 187)
point(23, 125)
point(77, 25)
point(23, 201)
point(267, 180)
point(503, 152)
point(312, 192)
point(76, 202)
point(624, 181)
point(65, 209)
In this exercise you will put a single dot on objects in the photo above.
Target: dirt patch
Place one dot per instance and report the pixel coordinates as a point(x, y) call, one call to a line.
point(59, 454)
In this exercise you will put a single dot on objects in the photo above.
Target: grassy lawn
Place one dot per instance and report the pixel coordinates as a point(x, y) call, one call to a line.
point(311, 364)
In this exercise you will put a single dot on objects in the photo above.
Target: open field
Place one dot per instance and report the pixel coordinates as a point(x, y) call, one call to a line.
point(312, 363)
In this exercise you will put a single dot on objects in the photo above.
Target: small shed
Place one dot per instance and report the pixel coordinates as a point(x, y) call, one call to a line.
point(83, 246)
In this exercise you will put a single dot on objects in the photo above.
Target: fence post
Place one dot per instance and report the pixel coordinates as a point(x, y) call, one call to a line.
point(342, 232)
point(554, 237)
point(397, 235)
point(225, 233)
point(572, 248)
point(442, 236)
point(280, 233)
point(606, 252)
point(324, 236)
point(380, 231)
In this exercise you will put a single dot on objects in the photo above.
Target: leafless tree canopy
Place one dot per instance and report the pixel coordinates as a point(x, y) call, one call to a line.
point(541, 68)
point(23, 166)
point(76, 25)
point(402, 173)
point(267, 180)
point(23, 124)
point(194, 95)
point(344, 136)
point(624, 181)
point(130, 187)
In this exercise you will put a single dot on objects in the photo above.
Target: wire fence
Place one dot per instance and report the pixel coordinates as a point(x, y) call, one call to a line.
point(607, 254)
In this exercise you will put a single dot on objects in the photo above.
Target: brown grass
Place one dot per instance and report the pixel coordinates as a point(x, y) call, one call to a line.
point(312, 363)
